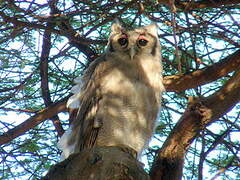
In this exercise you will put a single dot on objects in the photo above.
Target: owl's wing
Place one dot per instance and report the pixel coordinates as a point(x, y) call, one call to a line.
point(85, 125)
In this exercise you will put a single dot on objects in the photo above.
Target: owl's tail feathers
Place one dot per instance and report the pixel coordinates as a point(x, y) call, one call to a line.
point(65, 144)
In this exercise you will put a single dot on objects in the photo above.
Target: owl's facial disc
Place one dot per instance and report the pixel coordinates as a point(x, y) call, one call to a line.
point(124, 43)
point(140, 42)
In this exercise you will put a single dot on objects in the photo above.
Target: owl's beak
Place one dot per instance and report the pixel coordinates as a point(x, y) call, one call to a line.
point(132, 52)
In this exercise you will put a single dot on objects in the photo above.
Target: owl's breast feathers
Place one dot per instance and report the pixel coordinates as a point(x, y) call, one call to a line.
point(116, 102)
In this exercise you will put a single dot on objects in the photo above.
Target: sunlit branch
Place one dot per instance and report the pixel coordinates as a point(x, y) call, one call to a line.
point(181, 82)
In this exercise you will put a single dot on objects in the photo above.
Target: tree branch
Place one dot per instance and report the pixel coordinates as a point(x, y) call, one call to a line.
point(18, 23)
point(74, 38)
point(181, 82)
point(21, 84)
point(204, 4)
point(80, 42)
point(44, 60)
point(198, 4)
point(46, 46)
point(198, 115)
point(33, 121)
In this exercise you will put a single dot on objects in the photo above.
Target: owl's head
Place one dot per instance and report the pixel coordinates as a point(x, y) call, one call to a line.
point(139, 41)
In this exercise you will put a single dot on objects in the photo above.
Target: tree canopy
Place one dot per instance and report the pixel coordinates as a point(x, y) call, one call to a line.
point(44, 45)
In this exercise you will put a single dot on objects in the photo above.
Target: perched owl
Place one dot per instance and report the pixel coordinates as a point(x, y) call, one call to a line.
point(118, 98)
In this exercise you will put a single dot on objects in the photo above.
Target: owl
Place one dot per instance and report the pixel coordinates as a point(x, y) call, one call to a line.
point(117, 100)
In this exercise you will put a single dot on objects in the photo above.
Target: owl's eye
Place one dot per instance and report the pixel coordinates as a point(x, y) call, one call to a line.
point(123, 41)
point(142, 42)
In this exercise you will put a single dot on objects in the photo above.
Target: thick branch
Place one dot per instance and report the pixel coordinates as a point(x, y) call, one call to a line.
point(99, 163)
point(181, 82)
point(168, 164)
point(197, 116)
point(223, 100)
point(33, 121)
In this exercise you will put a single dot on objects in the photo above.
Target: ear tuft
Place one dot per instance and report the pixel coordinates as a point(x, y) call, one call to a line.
point(116, 26)
point(152, 29)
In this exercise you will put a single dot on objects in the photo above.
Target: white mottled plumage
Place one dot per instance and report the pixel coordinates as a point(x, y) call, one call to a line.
point(117, 101)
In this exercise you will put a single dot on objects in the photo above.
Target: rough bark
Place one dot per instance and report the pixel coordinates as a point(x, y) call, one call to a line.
point(100, 163)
